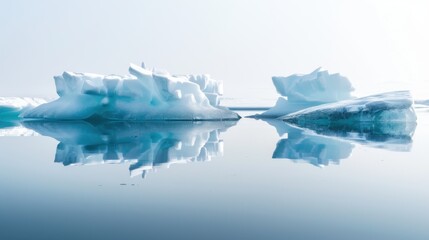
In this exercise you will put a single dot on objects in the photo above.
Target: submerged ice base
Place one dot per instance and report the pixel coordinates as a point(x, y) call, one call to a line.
point(385, 107)
point(302, 91)
point(143, 95)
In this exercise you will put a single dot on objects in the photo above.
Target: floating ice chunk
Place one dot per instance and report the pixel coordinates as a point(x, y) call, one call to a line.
point(144, 145)
point(385, 107)
point(11, 107)
point(143, 95)
point(303, 91)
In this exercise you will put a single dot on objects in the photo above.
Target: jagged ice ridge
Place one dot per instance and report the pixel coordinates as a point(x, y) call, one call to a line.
point(143, 95)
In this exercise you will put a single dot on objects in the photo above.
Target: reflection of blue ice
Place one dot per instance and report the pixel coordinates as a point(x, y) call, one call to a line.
point(307, 146)
point(324, 144)
point(144, 145)
point(14, 129)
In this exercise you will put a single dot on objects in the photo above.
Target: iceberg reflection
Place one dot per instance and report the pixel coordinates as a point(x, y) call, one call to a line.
point(14, 129)
point(144, 145)
point(321, 145)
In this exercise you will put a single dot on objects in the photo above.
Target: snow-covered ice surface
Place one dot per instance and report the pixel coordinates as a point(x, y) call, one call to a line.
point(302, 91)
point(145, 146)
point(143, 95)
point(381, 108)
point(12, 107)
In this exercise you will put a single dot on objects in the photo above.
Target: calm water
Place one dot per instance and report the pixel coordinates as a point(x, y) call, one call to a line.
point(249, 179)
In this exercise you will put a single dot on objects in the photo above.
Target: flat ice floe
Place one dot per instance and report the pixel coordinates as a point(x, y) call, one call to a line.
point(300, 91)
point(385, 107)
point(12, 107)
point(143, 95)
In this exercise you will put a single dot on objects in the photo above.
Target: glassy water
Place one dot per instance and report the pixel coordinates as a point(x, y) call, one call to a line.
point(250, 179)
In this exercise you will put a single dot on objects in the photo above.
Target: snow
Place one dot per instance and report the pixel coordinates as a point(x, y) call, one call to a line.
point(11, 107)
point(145, 146)
point(143, 95)
point(385, 107)
point(302, 91)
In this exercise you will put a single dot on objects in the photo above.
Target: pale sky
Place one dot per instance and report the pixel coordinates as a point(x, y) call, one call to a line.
point(379, 45)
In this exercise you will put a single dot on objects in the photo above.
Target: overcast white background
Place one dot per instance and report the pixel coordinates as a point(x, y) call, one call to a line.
point(378, 45)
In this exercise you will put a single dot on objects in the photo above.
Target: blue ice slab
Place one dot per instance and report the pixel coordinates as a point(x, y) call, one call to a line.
point(386, 107)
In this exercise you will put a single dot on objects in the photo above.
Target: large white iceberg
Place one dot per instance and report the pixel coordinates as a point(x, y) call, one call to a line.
point(12, 107)
point(145, 146)
point(302, 91)
point(385, 107)
point(143, 95)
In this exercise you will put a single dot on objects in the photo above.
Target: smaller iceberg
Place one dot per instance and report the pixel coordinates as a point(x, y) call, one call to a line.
point(385, 107)
point(302, 91)
point(142, 95)
point(12, 107)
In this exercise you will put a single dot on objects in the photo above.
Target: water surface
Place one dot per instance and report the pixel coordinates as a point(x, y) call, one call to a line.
point(250, 179)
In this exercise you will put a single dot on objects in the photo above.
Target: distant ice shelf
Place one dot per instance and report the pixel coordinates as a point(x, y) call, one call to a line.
point(143, 95)
point(300, 91)
point(422, 102)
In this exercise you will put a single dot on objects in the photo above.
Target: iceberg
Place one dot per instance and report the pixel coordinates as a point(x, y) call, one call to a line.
point(142, 95)
point(380, 108)
point(302, 91)
point(12, 107)
point(145, 146)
